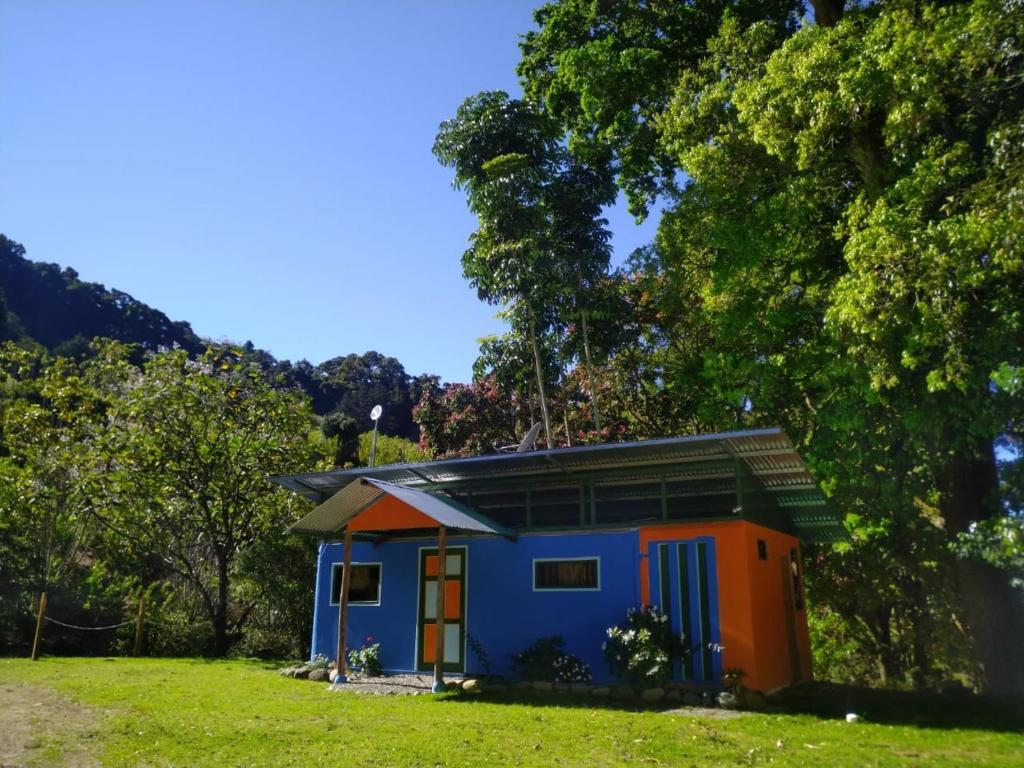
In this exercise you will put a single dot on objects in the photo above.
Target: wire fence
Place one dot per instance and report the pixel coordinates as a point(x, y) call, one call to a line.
point(42, 619)
point(88, 629)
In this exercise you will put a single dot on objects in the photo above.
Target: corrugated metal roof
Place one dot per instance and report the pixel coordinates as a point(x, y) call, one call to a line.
point(766, 452)
point(345, 505)
point(765, 456)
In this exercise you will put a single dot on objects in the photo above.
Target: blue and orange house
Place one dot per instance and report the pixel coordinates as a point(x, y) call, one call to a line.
point(445, 558)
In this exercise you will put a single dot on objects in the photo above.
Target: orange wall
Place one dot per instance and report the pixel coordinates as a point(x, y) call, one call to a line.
point(751, 599)
point(390, 514)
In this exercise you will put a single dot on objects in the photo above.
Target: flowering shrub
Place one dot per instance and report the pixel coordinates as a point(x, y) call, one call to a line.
point(644, 648)
point(366, 660)
point(547, 660)
point(571, 669)
point(319, 662)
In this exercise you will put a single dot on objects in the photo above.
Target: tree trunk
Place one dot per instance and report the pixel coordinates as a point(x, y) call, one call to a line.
point(540, 383)
point(827, 13)
point(993, 610)
point(590, 371)
point(221, 640)
point(886, 656)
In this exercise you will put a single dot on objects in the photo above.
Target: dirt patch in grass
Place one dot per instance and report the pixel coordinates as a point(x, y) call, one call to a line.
point(40, 728)
point(707, 712)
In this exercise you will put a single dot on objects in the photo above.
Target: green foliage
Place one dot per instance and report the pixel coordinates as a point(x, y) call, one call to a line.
point(644, 649)
point(842, 259)
point(541, 247)
point(352, 385)
point(365, 659)
point(390, 450)
point(54, 307)
point(547, 660)
point(199, 440)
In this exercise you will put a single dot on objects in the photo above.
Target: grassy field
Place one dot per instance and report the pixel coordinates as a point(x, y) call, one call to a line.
point(233, 713)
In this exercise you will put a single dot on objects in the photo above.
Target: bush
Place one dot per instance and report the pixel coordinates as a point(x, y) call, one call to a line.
point(644, 648)
point(547, 660)
point(366, 659)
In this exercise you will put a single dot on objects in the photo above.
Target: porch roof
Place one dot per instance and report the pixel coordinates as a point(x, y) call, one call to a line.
point(360, 494)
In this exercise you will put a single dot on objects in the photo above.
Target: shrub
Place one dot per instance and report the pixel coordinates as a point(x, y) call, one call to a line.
point(366, 659)
point(644, 648)
point(547, 660)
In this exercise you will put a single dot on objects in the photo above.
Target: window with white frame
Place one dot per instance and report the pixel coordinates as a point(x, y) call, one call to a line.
point(570, 573)
point(363, 586)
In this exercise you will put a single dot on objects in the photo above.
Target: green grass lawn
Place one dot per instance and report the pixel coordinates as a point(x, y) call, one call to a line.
point(227, 713)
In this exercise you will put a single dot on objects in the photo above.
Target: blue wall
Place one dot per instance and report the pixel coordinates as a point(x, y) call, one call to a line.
point(504, 614)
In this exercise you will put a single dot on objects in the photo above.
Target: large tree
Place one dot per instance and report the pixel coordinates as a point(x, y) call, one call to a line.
point(196, 442)
point(541, 248)
point(848, 242)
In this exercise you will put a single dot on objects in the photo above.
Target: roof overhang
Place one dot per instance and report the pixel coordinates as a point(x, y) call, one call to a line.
point(369, 504)
point(766, 459)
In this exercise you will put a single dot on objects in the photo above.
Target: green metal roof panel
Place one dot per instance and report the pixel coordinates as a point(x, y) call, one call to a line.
point(766, 457)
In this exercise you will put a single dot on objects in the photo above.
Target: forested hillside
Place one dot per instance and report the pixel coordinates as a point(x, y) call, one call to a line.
point(120, 430)
point(50, 306)
point(54, 307)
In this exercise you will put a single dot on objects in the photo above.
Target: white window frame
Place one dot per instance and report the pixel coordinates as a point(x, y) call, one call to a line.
point(341, 566)
point(533, 574)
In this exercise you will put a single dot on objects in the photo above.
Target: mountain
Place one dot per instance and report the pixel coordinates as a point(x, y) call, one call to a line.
point(51, 306)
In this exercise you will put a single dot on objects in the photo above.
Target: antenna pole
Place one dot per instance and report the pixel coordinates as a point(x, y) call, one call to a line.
point(373, 448)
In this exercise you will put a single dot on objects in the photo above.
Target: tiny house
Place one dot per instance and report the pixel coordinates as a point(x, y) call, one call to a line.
point(454, 566)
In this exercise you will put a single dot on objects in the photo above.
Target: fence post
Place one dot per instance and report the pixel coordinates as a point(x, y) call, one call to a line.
point(39, 627)
point(138, 624)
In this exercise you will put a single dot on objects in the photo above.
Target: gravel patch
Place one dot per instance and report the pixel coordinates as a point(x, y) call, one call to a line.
point(708, 712)
point(38, 727)
point(388, 685)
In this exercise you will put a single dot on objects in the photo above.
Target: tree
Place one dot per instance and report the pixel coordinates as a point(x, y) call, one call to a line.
point(541, 245)
point(197, 441)
point(355, 383)
point(605, 71)
point(51, 410)
point(390, 450)
point(467, 419)
point(847, 243)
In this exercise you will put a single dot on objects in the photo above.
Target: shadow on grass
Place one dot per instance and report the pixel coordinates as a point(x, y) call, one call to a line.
point(564, 700)
point(824, 700)
point(923, 709)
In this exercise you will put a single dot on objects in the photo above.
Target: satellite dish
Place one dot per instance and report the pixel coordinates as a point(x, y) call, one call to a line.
point(376, 412)
point(529, 441)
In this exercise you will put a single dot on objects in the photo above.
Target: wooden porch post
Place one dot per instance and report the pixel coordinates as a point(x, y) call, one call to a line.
point(442, 560)
point(346, 572)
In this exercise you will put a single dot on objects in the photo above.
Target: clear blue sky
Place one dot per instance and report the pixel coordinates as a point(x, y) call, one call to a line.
point(259, 169)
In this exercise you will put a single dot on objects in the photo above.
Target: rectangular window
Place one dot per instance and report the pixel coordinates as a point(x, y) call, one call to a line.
point(363, 587)
point(762, 549)
point(579, 573)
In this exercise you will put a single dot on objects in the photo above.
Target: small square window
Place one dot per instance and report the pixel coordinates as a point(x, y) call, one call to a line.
point(762, 549)
point(363, 587)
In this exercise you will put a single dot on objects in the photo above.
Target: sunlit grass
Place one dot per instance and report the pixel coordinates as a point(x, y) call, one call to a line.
point(228, 713)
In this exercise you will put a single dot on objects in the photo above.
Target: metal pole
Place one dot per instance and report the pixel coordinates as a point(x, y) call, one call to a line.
point(373, 448)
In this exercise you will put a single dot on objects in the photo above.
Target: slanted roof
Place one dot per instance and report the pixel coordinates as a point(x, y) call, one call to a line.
point(362, 494)
point(766, 458)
